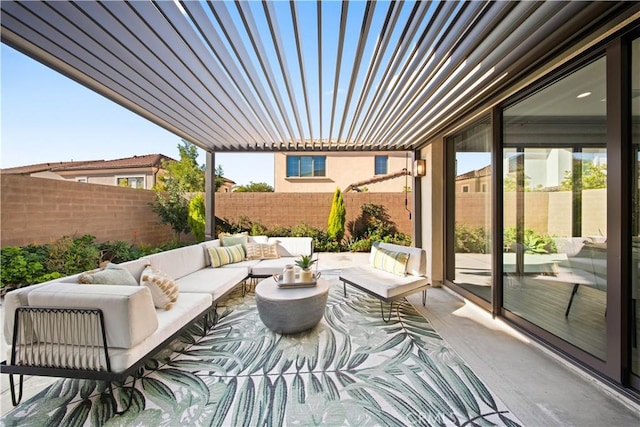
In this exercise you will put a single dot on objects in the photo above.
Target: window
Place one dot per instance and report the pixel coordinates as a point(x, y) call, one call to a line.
point(306, 166)
point(484, 188)
point(130, 181)
point(381, 165)
point(465, 188)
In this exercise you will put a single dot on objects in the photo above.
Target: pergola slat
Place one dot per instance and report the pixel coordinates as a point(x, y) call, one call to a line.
point(241, 76)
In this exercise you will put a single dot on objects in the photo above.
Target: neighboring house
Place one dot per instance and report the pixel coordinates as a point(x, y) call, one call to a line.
point(322, 172)
point(476, 181)
point(135, 172)
point(227, 186)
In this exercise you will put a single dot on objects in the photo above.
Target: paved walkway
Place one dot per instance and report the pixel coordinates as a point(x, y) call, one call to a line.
point(537, 386)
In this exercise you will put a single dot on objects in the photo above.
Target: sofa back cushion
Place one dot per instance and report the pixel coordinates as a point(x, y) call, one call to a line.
point(180, 262)
point(417, 263)
point(293, 246)
point(129, 314)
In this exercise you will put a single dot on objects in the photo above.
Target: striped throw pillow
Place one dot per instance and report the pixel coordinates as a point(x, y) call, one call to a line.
point(226, 255)
point(391, 261)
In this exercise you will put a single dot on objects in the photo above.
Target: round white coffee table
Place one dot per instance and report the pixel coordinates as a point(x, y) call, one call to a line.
point(291, 310)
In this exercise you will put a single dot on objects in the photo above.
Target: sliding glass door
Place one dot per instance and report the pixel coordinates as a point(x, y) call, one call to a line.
point(469, 248)
point(555, 217)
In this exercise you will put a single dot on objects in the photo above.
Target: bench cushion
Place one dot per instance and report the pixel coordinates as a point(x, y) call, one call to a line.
point(129, 313)
point(382, 283)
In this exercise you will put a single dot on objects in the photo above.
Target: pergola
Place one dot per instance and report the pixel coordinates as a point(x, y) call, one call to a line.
point(300, 76)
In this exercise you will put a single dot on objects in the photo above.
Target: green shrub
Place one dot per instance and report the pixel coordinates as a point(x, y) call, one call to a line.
point(19, 267)
point(534, 243)
point(118, 251)
point(73, 255)
point(337, 217)
point(471, 239)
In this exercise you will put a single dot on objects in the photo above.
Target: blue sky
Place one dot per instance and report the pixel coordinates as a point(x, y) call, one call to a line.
point(47, 117)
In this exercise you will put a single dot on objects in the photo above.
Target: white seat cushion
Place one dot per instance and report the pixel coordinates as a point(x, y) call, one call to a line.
point(382, 283)
point(269, 267)
point(213, 281)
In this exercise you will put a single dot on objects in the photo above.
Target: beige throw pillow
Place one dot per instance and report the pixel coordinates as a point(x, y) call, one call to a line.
point(262, 251)
point(164, 291)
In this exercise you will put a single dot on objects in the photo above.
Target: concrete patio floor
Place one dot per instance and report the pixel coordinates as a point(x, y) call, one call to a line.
point(538, 387)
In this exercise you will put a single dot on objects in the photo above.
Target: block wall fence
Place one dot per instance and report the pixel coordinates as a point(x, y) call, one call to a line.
point(37, 210)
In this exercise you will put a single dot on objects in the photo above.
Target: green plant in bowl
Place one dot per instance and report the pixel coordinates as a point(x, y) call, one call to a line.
point(305, 262)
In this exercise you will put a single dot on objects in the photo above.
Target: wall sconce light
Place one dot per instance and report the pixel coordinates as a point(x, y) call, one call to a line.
point(421, 167)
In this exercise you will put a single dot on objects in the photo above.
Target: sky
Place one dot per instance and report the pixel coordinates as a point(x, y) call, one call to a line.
point(47, 117)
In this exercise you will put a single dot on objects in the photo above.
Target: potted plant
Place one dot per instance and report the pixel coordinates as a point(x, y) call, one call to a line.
point(305, 262)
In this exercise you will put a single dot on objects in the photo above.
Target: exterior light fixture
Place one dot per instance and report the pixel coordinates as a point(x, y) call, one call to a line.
point(583, 95)
point(421, 167)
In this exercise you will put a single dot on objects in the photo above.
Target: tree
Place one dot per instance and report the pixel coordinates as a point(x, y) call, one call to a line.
point(219, 177)
point(184, 174)
point(196, 218)
point(337, 217)
point(593, 176)
point(255, 187)
point(181, 177)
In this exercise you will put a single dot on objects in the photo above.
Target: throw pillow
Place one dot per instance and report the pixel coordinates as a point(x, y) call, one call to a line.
point(164, 291)
point(112, 274)
point(391, 261)
point(225, 255)
point(235, 239)
point(262, 251)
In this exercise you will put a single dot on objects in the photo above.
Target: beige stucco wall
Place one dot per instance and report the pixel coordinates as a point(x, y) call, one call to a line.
point(109, 177)
point(343, 169)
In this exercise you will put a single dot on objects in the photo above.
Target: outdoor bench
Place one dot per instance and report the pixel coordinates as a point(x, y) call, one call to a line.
point(386, 278)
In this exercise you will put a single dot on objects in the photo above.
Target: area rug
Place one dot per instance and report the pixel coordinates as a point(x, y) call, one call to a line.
point(352, 369)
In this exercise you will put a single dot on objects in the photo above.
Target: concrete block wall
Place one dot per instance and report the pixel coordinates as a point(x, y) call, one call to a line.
point(290, 209)
point(38, 210)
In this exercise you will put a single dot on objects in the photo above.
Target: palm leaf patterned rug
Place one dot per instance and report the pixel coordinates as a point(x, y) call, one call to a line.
point(352, 369)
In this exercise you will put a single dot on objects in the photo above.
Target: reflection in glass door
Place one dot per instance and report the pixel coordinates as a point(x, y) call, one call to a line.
point(555, 218)
point(469, 255)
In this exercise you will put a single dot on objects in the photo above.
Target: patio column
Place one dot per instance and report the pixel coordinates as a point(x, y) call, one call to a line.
point(210, 197)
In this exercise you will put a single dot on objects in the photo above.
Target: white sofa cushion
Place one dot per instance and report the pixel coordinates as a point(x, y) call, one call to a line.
point(169, 322)
point(269, 267)
point(129, 313)
point(20, 298)
point(383, 283)
point(293, 246)
point(177, 263)
point(213, 281)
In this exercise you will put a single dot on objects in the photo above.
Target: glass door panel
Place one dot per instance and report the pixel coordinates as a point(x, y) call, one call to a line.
point(471, 261)
point(555, 219)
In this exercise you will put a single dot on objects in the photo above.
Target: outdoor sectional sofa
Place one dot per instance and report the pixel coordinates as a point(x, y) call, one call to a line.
point(107, 332)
